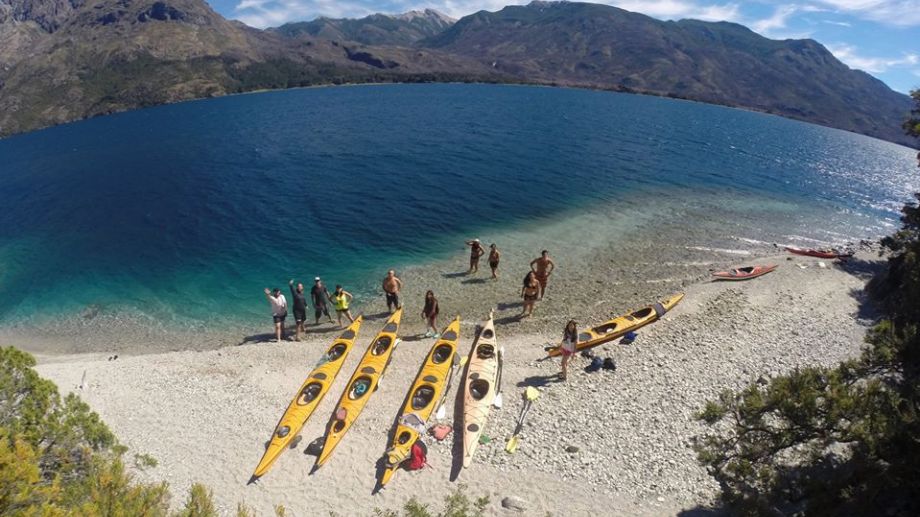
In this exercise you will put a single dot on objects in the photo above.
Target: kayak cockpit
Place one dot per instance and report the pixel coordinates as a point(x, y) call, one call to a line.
point(381, 345)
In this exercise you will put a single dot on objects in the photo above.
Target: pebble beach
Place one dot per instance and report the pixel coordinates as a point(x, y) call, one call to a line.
point(620, 443)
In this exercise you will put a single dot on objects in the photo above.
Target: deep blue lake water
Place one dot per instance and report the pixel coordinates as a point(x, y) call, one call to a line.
point(185, 212)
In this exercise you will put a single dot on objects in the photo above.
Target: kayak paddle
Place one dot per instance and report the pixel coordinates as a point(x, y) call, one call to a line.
point(497, 401)
point(530, 394)
point(459, 362)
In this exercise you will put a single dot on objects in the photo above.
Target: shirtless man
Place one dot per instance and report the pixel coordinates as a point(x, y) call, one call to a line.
point(476, 252)
point(391, 286)
point(542, 268)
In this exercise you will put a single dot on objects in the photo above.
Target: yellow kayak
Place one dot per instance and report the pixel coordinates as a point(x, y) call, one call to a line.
point(479, 388)
point(309, 396)
point(426, 394)
point(361, 386)
point(619, 326)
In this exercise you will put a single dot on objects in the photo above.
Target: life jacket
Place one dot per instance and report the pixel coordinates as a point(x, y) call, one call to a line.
point(418, 458)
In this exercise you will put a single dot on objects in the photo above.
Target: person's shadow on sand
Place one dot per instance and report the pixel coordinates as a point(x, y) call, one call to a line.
point(265, 337)
point(454, 275)
point(539, 381)
point(378, 316)
point(320, 329)
point(473, 281)
point(507, 320)
point(512, 305)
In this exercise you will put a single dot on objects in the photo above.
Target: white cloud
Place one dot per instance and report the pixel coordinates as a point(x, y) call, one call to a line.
point(904, 13)
point(850, 55)
point(272, 13)
point(842, 24)
point(267, 13)
point(777, 20)
point(677, 9)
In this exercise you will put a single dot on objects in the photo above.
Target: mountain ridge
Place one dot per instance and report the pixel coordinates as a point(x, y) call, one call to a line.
point(63, 60)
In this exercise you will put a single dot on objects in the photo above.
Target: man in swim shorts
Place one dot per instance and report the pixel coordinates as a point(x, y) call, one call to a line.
point(542, 267)
point(300, 307)
point(320, 294)
point(391, 287)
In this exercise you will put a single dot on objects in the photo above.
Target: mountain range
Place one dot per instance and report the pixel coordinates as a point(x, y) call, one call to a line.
point(63, 60)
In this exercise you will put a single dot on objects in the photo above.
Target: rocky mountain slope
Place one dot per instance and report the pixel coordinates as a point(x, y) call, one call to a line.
point(722, 63)
point(63, 60)
point(377, 29)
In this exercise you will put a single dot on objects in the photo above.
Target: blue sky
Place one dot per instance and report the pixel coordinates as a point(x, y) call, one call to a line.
point(881, 37)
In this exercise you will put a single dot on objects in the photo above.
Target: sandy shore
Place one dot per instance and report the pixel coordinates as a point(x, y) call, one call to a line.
point(204, 415)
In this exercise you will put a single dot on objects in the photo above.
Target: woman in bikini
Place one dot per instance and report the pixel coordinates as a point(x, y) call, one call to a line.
point(530, 292)
point(569, 342)
point(494, 257)
point(430, 315)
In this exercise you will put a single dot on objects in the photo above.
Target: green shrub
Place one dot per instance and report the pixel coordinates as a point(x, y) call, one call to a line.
point(834, 441)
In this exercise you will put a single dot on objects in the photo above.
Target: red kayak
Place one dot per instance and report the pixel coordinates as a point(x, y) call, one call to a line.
point(828, 254)
point(744, 273)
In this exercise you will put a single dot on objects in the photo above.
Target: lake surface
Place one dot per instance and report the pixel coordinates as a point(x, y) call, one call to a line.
point(183, 213)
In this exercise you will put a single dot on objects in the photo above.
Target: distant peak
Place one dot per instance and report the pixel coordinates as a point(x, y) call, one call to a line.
point(546, 3)
point(426, 14)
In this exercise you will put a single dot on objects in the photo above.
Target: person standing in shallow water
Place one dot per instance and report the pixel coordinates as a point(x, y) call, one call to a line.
point(476, 252)
point(430, 315)
point(342, 299)
point(300, 307)
point(391, 287)
point(279, 310)
point(529, 293)
point(494, 257)
point(320, 294)
point(568, 347)
point(543, 266)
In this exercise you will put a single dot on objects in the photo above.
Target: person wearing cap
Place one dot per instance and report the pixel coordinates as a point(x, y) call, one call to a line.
point(320, 294)
point(476, 252)
point(300, 307)
point(279, 310)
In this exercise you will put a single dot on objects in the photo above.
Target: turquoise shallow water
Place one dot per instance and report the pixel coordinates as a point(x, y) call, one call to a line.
point(184, 212)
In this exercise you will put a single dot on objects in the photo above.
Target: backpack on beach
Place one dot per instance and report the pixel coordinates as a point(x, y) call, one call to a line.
point(609, 364)
point(418, 458)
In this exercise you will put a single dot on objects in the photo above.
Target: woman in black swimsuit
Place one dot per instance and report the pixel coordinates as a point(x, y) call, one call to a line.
point(494, 256)
point(530, 292)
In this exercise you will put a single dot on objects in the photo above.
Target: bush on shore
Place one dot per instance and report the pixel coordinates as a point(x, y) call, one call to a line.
point(57, 458)
point(834, 441)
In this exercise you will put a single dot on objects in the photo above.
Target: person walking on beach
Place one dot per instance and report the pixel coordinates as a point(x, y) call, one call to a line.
point(391, 287)
point(569, 342)
point(342, 299)
point(543, 266)
point(476, 251)
point(430, 315)
point(300, 307)
point(494, 257)
point(320, 294)
point(529, 293)
point(279, 310)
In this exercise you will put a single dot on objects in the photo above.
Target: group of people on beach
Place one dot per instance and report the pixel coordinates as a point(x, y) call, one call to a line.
point(319, 295)
point(533, 290)
point(534, 283)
